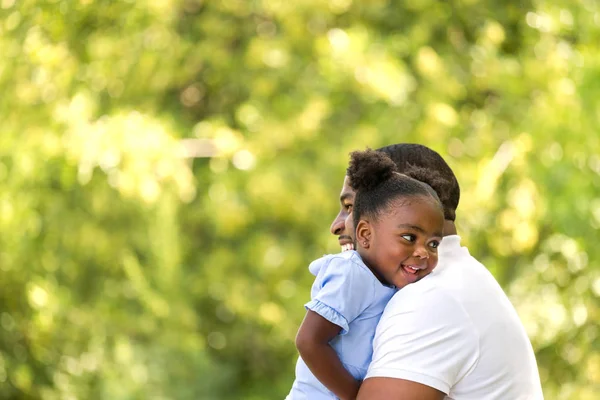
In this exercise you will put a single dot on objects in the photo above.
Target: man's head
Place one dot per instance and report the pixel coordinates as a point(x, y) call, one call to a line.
point(408, 157)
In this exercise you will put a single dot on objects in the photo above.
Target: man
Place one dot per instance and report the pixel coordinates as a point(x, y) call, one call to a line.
point(454, 334)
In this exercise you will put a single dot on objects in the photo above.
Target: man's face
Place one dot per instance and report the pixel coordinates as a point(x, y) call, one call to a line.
point(342, 225)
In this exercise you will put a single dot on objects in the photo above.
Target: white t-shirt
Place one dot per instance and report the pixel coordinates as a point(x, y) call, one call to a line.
point(456, 331)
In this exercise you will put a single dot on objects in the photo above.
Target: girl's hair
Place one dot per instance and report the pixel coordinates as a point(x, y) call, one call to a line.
point(410, 157)
point(374, 177)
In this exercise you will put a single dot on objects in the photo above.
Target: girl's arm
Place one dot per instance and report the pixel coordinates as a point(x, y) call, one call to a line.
point(312, 343)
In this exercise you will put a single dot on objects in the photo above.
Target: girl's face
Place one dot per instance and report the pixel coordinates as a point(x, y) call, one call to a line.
point(401, 246)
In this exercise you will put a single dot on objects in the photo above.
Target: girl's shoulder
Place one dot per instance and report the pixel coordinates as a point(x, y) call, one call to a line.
point(346, 263)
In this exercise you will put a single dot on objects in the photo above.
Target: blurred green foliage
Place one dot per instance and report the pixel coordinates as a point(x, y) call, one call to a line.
point(169, 168)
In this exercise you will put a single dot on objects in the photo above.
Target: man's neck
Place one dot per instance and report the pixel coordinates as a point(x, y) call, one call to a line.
point(449, 228)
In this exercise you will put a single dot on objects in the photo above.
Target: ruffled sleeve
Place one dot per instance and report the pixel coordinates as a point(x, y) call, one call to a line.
point(345, 290)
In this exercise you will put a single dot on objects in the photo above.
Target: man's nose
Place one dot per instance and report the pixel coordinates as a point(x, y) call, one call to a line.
point(337, 226)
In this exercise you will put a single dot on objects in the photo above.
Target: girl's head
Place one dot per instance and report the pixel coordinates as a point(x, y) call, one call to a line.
point(398, 221)
point(407, 156)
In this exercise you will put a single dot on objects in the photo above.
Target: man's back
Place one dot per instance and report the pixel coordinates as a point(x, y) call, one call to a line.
point(456, 331)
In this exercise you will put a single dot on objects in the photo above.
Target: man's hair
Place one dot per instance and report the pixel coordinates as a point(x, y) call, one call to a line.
point(417, 161)
point(378, 184)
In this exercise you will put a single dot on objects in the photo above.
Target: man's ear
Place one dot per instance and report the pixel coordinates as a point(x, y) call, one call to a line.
point(363, 233)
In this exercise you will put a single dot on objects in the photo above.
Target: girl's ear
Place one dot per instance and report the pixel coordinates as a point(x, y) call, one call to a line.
point(363, 233)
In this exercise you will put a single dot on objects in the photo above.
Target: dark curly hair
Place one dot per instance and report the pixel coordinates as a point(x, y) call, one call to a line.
point(374, 177)
point(419, 162)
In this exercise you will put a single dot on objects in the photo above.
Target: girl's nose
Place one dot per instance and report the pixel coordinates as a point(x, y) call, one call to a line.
point(421, 252)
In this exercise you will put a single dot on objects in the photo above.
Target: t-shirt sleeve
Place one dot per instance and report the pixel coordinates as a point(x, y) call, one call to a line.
point(346, 290)
point(424, 337)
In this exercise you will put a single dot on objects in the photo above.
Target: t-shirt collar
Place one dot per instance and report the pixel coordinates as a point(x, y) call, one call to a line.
point(449, 244)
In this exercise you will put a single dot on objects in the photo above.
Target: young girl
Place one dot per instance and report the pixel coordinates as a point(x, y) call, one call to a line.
point(398, 223)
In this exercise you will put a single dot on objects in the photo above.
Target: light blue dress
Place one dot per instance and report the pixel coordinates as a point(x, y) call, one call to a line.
point(347, 294)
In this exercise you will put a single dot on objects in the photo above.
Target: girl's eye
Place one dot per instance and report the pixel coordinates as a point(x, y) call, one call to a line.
point(348, 207)
point(434, 244)
point(409, 238)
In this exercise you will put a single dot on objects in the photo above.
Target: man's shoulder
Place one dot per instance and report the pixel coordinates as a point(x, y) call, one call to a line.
point(455, 291)
point(421, 298)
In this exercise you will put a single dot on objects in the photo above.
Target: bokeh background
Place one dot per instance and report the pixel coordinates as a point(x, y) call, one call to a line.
point(169, 168)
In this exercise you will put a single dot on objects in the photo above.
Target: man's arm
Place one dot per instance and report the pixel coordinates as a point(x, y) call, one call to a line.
point(396, 389)
point(423, 345)
point(312, 342)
